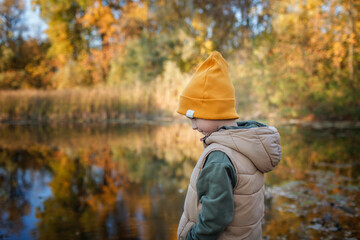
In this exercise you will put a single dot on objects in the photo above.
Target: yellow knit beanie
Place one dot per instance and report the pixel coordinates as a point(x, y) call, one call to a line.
point(210, 93)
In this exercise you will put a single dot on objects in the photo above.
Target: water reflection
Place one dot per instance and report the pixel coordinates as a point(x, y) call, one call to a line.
point(128, 182)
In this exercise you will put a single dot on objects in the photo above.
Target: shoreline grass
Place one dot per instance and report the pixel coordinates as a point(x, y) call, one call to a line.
point(77, 105)
point(130, 102)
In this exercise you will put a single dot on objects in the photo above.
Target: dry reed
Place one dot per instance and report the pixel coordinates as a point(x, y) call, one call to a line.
point(85, 105)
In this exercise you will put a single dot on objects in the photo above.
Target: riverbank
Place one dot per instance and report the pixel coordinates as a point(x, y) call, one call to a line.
point(181, 120)
point(130, 103)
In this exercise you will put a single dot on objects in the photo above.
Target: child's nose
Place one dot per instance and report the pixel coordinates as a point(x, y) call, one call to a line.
point(193, 125)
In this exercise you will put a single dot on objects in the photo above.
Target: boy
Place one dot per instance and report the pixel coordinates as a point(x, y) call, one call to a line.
point(225, 197)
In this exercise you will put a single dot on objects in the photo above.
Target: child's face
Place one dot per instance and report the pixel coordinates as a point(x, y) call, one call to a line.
point(204, 126)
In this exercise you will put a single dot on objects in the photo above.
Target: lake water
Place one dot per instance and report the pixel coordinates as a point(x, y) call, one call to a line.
point(117, 181)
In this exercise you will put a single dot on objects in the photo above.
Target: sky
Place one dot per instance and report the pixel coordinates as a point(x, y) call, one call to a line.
point(36, 25)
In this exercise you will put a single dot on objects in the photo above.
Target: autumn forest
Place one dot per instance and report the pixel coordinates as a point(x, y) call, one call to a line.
point(123, 59)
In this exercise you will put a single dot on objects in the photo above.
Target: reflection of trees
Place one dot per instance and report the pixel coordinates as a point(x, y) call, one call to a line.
point(319, 193)
point(95, 199)
point(123, 182)
point(17, 172)
point(325, 149)
point(136, 174)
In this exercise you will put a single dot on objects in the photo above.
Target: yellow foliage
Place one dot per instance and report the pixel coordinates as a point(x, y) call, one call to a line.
point(136, 11)
point(101, 17)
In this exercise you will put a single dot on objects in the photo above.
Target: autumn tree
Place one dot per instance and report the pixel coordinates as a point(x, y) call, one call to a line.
point(112, 25)
point(307, 63)
point(17, 52)
point(10, 42)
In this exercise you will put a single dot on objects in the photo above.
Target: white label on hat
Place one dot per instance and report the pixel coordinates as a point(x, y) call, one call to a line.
point(190, 113)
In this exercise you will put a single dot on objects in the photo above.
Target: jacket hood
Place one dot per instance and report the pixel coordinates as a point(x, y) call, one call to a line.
point(258, 142)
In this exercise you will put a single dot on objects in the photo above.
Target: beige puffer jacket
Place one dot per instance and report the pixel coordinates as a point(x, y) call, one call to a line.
point(253, 152)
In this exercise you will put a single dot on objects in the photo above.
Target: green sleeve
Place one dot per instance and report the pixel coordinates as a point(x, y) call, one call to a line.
point(214, 189)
